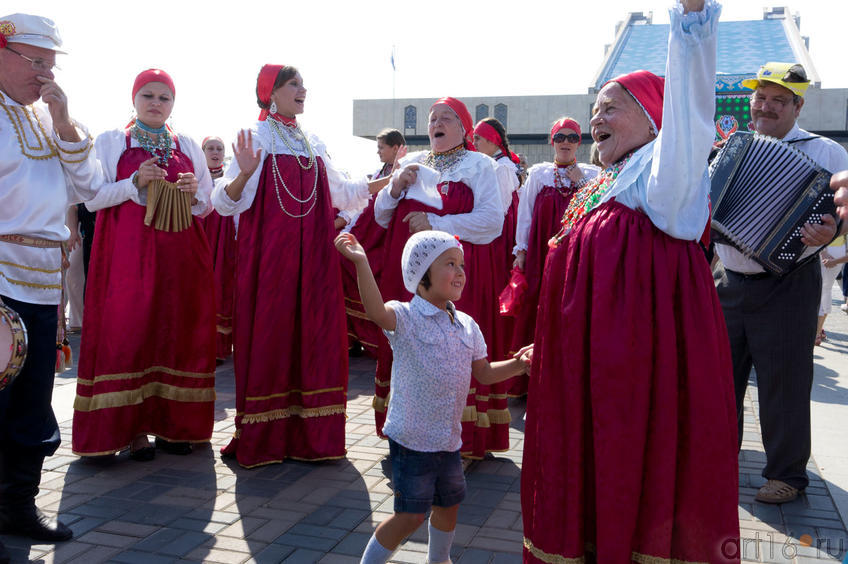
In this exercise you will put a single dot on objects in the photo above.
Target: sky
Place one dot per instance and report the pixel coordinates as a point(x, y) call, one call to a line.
point(214, 50)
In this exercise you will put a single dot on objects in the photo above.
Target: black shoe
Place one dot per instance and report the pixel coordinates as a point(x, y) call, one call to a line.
point(173, 448)
point(4, 556)
point(145, 454)
point(31, 522)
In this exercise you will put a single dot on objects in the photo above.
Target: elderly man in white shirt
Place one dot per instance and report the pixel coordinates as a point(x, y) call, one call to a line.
point(47, 163)
point(771, 320)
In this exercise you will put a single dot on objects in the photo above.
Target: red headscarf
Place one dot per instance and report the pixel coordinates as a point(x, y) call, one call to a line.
point(265, 86)
point(647, 89)
point(152, 75)
point(565, 122)
point(464, 118)
point(210, 138)
point(490, 134)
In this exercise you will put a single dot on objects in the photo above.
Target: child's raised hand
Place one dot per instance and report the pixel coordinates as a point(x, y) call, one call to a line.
point(525, 355)
point(350, 248)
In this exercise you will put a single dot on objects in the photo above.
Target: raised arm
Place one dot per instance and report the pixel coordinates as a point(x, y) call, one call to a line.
point(372, 300)
point(234, 192)
point(675, 195)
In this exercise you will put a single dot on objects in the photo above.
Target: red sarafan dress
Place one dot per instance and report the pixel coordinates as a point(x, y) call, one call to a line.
point(630, 451)
point(371, 236)
point(508, 182)
point(147, 357)
point(638, 453)
point(290, 347)
point(471, 208)
point(545, 197)
point(221, 233)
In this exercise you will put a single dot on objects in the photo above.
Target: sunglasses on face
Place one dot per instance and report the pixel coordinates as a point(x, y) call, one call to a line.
point(571, 138)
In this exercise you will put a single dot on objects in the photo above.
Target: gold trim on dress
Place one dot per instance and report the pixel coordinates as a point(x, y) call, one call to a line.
point(146, 371)
point(31, 268)
point(137, 396)
point(380, 404)
point(357, 314)
point(383, 383)
point(31, 284)
point(292, 411)
point(634, 556)
point(482, 421)
point(469, 413)
point(299, 392)
point(499, 416)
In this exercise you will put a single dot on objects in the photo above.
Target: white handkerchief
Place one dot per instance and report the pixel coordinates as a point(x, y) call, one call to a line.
point(425, 188)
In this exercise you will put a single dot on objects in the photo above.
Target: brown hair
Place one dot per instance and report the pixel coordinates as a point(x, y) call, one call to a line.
point(391, 137)
point(286, 73)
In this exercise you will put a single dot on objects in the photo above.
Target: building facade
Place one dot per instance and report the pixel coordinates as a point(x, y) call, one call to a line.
point(639, 44)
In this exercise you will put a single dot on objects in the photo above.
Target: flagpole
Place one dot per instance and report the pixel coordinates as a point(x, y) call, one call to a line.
point(394, 73)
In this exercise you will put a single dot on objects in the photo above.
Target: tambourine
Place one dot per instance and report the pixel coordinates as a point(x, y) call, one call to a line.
point(13, 345)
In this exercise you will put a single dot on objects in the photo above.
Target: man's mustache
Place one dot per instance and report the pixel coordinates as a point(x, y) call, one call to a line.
point(769, 115)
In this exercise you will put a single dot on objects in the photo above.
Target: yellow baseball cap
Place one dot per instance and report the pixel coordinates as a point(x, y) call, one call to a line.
point(789, 75)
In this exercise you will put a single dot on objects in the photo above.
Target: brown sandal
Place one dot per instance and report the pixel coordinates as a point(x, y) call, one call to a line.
point(776, 491)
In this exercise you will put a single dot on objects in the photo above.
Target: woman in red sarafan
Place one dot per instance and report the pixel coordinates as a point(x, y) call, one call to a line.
point(544, 197)
point(630, 449)
point(464, 200)
point(147, 358)
point(290, 348)
point(221, 234)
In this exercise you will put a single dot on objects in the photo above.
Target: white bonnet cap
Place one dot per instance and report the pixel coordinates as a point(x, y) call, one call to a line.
point(419, 253)
point(37, 31)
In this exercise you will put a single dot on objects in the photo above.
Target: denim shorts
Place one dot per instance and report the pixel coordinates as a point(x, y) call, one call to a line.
point(424, 479)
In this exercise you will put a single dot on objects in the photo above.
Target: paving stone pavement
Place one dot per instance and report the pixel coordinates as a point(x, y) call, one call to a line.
point(199, 508)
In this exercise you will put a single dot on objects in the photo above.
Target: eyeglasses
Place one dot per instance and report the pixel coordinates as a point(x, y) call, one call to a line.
point(779, 104)
point(37, 64)
point(571, 138)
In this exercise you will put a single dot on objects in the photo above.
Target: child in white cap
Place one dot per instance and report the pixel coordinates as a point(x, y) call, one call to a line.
point(436, 351)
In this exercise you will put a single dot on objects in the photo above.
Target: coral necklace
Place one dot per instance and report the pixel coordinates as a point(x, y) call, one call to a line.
point(587, 198)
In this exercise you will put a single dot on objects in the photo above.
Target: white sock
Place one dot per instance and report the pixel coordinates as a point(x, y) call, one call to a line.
point(438, 549)
point(375, 553)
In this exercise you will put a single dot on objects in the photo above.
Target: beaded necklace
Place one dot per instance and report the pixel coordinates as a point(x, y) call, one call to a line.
point(559, 181)
point(216, 172)
point(160, 148)
point(445, 162)
point(283, 131)
point(587, 198)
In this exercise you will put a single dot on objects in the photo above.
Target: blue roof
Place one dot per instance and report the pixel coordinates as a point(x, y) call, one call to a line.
point(742, 47)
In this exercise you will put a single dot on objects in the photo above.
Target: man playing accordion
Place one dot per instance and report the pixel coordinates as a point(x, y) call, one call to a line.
point(771, 320)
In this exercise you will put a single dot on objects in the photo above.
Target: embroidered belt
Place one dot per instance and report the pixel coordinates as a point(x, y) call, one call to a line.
point(28, 241)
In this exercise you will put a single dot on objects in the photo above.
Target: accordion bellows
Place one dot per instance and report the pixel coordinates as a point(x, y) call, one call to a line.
point(168, 207)
point(763, 191)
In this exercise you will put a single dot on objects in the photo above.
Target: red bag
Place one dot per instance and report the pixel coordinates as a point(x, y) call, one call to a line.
point(512, 296)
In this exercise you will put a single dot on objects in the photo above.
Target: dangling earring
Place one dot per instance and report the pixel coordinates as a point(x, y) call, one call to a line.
point(273, 109)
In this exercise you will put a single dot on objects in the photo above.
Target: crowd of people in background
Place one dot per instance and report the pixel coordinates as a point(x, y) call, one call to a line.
point(632, 350)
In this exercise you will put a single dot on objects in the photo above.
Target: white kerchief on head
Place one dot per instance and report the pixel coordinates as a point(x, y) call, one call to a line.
point(419, 253)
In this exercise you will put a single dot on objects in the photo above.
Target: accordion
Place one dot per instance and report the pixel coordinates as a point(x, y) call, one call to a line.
point(763, 191)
